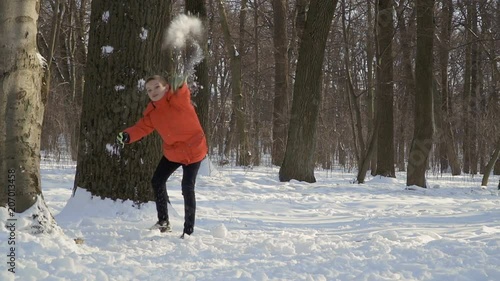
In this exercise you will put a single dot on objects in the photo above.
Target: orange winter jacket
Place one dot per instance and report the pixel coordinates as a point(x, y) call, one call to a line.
point(175, 119)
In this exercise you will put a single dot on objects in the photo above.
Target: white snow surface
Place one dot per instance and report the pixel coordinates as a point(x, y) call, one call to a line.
point(250, 226)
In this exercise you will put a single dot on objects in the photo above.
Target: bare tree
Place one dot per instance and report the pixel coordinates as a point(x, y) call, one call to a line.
point(299, 156)
point(21, 108)
point(385, 91)
point(281, 83)
point(422, 137)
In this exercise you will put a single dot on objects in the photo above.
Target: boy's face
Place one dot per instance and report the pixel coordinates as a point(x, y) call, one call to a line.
point(156, 90)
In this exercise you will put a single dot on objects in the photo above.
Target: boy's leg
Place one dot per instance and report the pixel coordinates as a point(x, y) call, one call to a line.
point(188, 182)
point(163, 171)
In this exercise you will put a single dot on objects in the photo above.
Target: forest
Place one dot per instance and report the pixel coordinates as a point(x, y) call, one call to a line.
point(373, 86)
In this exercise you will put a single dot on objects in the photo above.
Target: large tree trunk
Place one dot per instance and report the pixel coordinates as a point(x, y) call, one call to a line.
point(201, 95)
point(21, 104)
point(124, 49)
point(21, 111)
point(422, 138)
point(299, 163)
point(385, 95)
point(281, 83)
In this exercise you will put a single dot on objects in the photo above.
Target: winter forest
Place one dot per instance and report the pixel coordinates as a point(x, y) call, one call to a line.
point(373, 88)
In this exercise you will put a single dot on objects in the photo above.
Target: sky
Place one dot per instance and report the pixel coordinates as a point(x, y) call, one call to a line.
point(250, 226)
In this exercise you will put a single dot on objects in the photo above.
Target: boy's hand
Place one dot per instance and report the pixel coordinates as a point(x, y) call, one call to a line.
point(178, 81)
point(122, 138)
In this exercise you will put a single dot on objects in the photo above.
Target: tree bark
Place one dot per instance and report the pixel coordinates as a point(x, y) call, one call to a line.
point(474, 91)
point(491, 163)
point(370, 98)
point(281, 83)
point(422, 137)
point(385, 92)
point(21, 110)
point(124, 49)
point(299, 163)
point(404, 101)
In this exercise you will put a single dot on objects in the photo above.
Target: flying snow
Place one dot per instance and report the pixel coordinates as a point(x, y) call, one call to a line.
point(183, 37)
point(182, 29)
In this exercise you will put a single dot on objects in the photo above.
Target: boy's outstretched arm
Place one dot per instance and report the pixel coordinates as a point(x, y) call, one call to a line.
point(142, 128)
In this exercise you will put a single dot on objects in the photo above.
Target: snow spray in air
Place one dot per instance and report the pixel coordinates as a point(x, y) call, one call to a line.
point(183, 37)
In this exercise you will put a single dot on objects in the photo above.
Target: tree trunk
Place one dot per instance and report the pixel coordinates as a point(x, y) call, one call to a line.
point(281, 83)
point(491, 163)
point(370, 98)
point(299, 163)
point(257, 94)
point(21, 110)
point(365, 161)
point(466, 151)
point(385, 95)
point(404, 101)
point(201, 95)
point(124, 49)
point(474, 88)
point(422, 138)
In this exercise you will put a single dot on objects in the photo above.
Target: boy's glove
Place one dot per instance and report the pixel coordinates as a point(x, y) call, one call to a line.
point(178, 81)
point(122, 138)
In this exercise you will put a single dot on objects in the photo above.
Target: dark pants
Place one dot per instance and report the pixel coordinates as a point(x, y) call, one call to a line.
point(163, 171)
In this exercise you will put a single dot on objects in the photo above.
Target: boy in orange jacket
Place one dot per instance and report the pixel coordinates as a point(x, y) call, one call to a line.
point(172, 115)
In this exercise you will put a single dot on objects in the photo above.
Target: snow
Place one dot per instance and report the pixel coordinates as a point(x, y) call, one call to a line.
point(144, 34)
point(119, 88)
point(141, 84)
point(105, 16)
point(106, 50)
point(41, 59)
point(181, 29)
point(250, 226)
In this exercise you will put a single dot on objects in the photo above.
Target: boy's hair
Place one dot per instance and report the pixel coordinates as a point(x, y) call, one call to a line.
point(157, 77)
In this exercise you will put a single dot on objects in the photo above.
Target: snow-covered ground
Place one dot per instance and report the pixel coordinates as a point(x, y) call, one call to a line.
point(252, 227)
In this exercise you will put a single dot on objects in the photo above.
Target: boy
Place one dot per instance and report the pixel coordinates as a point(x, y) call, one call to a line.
point(172, 115)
